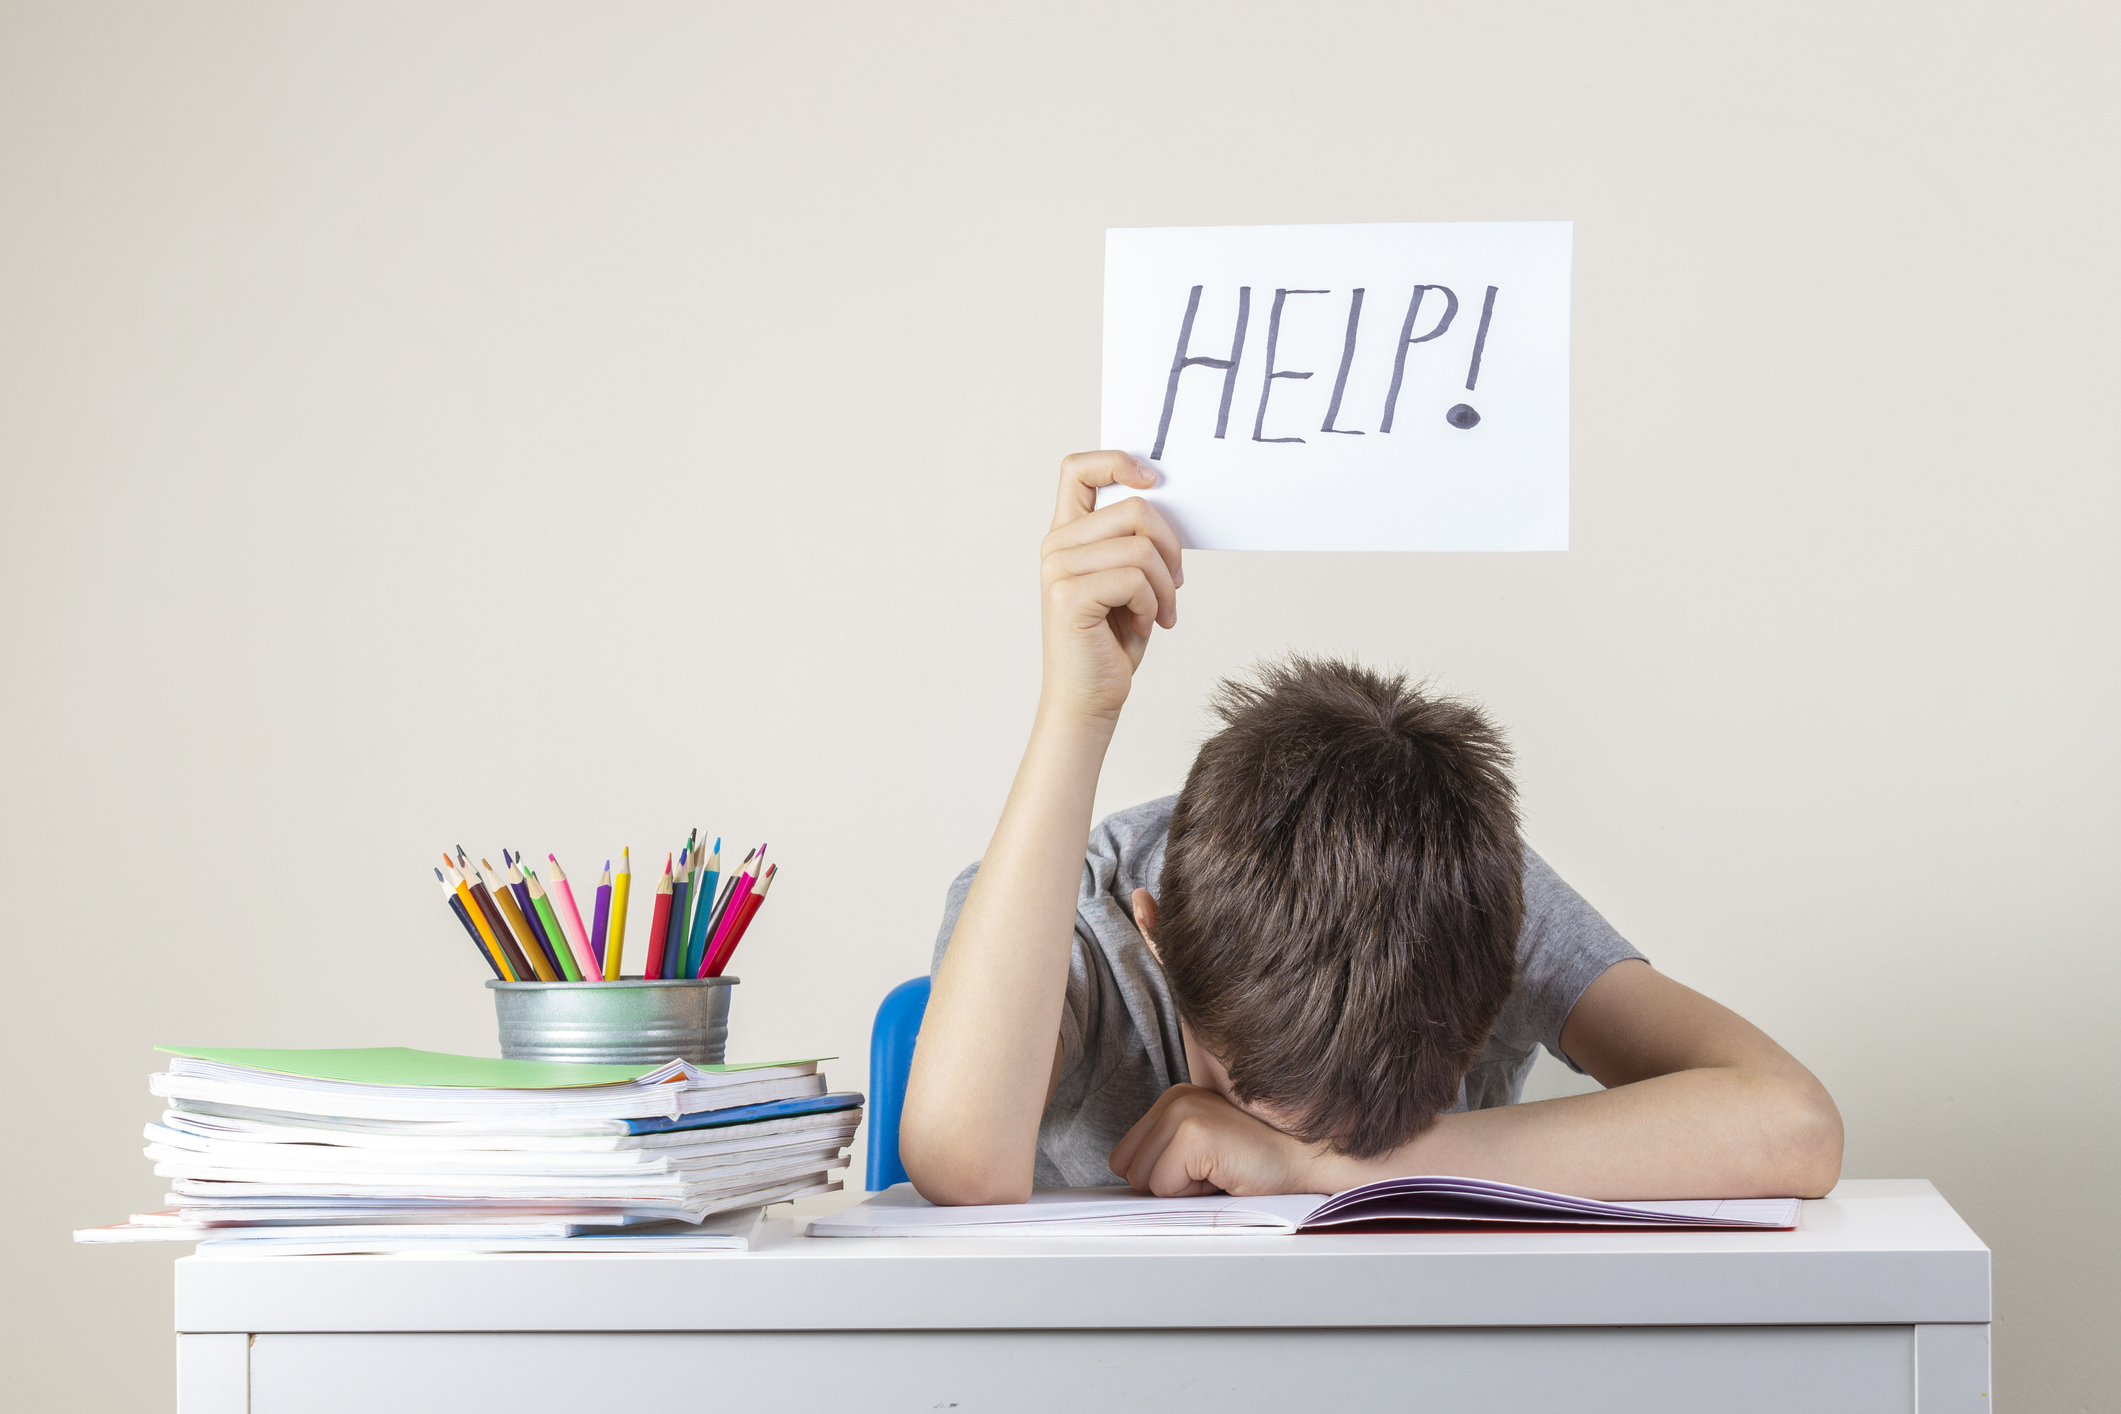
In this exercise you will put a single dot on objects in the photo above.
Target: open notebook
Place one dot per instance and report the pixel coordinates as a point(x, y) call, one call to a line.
point(1397, 1203)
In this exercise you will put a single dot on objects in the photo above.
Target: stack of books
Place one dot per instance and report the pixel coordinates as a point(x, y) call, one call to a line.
point(388, 1149)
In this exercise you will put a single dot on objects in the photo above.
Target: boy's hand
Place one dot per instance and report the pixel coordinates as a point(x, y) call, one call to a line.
point(1110, 576)
point(1194, 1142)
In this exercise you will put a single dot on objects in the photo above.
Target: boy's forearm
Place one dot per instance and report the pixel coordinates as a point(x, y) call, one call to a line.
point(985, 1061)
point(1720, 1132)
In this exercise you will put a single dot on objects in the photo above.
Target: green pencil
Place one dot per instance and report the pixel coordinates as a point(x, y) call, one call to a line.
point(692, 845)
point(551, 920)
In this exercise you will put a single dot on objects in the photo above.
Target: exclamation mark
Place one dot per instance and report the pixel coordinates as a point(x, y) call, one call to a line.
point(1462, 416)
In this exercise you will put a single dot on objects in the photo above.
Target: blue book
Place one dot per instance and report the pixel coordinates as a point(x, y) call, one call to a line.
point(748, 1114)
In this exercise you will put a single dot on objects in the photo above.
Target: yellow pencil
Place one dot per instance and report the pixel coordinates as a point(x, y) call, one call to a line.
point(621, 885)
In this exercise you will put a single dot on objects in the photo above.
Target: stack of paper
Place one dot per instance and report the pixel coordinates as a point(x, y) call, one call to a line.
point(389, 1149)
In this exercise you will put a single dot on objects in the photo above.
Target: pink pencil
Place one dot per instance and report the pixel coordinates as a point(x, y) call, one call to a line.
point(752, 906)
point(571, 920)
point(735, 906)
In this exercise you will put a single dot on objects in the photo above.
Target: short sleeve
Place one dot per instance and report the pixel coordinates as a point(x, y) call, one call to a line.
point(1564, 947)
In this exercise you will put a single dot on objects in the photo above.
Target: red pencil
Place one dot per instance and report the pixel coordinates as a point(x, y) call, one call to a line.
point(658, 923)
point(743, 920)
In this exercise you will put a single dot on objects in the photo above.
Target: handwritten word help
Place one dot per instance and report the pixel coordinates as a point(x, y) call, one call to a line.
point(1388, 387)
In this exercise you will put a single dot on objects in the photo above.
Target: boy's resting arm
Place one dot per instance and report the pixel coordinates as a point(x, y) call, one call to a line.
point(989, 1057)
point(1702, 1104)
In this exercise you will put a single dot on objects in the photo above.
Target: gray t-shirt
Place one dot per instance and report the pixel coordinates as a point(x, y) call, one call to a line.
point(1120, 1041)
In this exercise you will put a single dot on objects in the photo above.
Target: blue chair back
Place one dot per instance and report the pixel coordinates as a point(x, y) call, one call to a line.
point(898, 1025)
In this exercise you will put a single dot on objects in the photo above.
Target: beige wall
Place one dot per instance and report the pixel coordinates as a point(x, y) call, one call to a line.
point(565, 425)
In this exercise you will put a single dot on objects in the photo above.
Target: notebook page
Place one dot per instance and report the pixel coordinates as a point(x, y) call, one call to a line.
point(900, 1212)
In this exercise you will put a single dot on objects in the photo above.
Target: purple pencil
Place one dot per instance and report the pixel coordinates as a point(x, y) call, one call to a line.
point(602, 922)
point(521, 890)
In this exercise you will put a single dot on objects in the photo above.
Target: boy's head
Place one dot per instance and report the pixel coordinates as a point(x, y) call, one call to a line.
point(1341, 898)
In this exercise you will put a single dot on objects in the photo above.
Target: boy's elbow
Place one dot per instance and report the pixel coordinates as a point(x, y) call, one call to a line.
point(1809, 1139)
point(967, 1189)
point(949, 1175)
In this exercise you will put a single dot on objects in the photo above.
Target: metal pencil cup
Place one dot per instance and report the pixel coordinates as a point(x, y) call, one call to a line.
point(633, 1022)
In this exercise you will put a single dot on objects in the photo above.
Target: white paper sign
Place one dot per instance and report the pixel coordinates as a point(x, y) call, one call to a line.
point(1387, 387)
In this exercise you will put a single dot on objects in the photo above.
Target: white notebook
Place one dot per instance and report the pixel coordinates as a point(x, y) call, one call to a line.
point(1401, 1203)
point(595, 1137)
point(674, 1090)
point(202, 1158)
point(686, 1184)
point(729, 1232)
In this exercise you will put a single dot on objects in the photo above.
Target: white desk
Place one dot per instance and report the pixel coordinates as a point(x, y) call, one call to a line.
point(1879, 1301)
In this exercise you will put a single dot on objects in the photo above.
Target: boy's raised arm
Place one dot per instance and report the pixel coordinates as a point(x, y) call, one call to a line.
point(989, 1052)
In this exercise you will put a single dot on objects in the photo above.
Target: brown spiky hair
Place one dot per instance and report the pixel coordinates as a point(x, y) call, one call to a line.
point(1342, 892)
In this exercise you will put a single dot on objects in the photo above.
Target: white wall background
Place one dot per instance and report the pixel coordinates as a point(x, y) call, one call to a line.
point(562, 425)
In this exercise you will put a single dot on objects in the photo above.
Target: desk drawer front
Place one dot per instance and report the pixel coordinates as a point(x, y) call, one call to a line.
point(1731, 1369)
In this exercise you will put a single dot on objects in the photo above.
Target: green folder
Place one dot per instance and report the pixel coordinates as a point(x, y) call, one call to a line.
point(400, 1065)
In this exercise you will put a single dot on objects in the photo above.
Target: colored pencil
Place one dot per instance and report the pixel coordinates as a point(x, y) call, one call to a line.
point(564, 954)
point(621, 886)
point(721, 911)
point(602, 919)
point(464, 918)
point(658, 923)
point(692, 870)
point(478, 921)
point(745, 882)
point(691, 858)
point(674, 945)
point(521, 889)
point(504, 894)
point(462, 890)
point(725, 917)
point(562, 894)
point(752, 906)
point(702, 913)
point(517, 963)
point(721, 904)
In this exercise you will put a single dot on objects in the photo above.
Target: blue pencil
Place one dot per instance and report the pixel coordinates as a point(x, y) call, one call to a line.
point(456, 906)
point(674, 944)
point(703, 898)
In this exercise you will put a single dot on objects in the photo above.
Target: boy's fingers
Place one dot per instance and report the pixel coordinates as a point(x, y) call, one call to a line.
point(1083, 472)
point(1088, 598)
point(1141, 1172)
point(1174, 1176)
point(1133, 516)
point(1128, 1151)
point(1153, 1157)
point(1171, 1161)
point(1131, 553)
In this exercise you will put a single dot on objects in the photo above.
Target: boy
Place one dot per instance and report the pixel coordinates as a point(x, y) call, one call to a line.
point(1328, 961)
